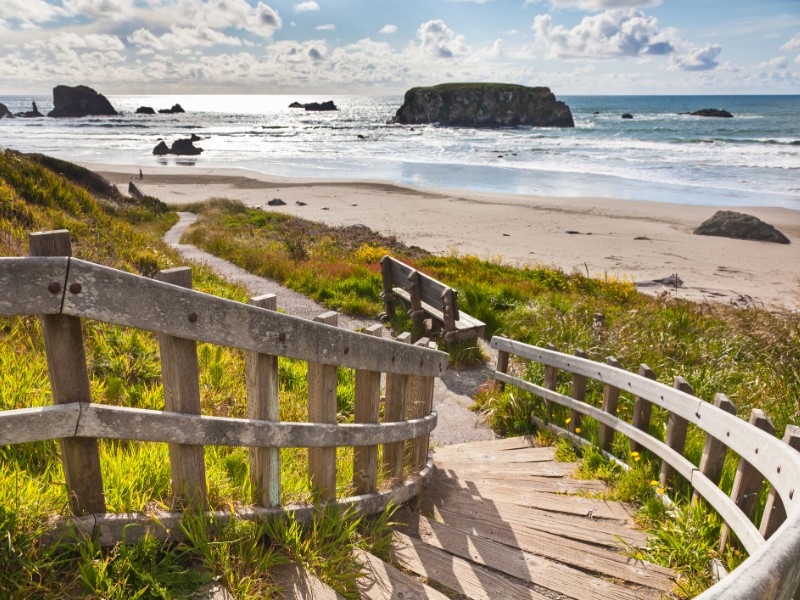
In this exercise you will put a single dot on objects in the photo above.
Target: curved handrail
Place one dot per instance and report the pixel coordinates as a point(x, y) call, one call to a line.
point(773, 567)
point(28, 287)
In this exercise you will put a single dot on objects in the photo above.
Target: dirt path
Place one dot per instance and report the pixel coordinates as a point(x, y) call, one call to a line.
point(452, 394)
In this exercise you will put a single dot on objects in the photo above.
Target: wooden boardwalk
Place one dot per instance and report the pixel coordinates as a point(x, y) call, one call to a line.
point(500, 519)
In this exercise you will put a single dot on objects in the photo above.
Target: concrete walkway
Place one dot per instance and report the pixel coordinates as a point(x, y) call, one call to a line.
point(452, 393)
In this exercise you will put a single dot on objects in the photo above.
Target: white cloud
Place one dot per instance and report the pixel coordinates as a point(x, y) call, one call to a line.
point(30, 12)
point(388, 29)
point(66, 41)
point(611, 34)
point(100, 9)
point(179, 38)
point(596, 4)
point(327, 27)
point(792, 44)
point(306, 6)
point(437, 39)
point(779, 62)
point(699, 59)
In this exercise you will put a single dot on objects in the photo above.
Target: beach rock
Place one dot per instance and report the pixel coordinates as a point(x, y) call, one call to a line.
point(483, 105)
point(145, 110)
point(185, 147)
point(300, 203)
point(161, 149)
point(176, 108)
point(740, 226)
point(712, 112)
point(627, 116)
point(4, 112)
point(79, 101)
point(32, 113)
point(276, 202)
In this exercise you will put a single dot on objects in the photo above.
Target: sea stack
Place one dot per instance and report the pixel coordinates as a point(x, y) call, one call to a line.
point(484, 105)
point(79, 101)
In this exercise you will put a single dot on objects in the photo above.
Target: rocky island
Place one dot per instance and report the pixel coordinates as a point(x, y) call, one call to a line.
point(483, 105)
point(79, 101)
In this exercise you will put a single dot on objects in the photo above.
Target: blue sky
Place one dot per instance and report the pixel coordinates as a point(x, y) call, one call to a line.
point(376, 47)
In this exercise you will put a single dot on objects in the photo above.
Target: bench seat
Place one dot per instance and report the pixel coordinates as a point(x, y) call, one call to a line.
point(466, 326)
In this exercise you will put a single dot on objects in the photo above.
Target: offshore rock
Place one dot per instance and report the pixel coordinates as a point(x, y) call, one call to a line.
point(4, 112)
point(183, 147)
point(79, 101)
point(712, 112)
point(627, 116)
point(740, 226)
point(161, 149)
point(176, 108)
point(32, 113)
point(145, 110)
point(483, 105)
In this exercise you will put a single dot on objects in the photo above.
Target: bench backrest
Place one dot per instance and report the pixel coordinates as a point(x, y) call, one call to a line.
point(431, 291)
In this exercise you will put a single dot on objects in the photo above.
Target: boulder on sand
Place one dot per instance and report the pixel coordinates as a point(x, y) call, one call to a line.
point(483, 105)
point(79, 101)
point(740, 226)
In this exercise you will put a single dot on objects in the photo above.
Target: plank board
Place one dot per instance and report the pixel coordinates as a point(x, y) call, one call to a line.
point(382, 581)
point(522, 565)
point(558, 485)
point(298, 584)
point(587, 557)
point(512, 443)
point(461, 576)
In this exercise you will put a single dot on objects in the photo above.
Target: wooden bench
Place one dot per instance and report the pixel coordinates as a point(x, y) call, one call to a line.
point(427, 296)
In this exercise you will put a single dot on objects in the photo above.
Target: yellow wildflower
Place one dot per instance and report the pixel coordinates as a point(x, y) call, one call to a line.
point(577, 430)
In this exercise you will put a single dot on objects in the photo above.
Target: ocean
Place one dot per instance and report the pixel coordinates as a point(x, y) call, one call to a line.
point(659, 155)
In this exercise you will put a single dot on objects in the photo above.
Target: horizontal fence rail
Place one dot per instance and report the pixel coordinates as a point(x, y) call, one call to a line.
point(62, 290)
point(772, 570)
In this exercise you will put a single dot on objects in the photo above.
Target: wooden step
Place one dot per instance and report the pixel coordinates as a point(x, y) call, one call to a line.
point(382, 581)
point(298, 584)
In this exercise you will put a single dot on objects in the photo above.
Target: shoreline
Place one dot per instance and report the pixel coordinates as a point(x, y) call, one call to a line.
point(636, 240)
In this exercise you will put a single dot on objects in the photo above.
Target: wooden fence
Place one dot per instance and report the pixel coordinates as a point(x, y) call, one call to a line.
point(772, 570)
point(63, 290)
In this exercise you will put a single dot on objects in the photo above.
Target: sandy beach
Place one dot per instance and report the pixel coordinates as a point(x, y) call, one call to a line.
point(639, 241)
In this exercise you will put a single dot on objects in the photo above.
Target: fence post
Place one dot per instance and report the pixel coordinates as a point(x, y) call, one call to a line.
point(610, 403)
point(322, 382)
point(69, 382)
point(394, 410)
point(422, 443)
point(774, 511)
point(714, 451)
point(367, 410)
point(180, 374)
point(261, 376)
point(579, 394)
point(502, 366)
point(386, 279)
point(642, 408)
point(676, 433)
point(415, 406)
point(748, 480)
point(550, 381)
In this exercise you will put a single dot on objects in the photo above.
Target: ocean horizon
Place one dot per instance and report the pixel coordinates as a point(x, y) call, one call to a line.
point(660, 155)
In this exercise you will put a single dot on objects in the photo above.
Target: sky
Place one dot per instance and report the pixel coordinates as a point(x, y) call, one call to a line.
point(377, 47)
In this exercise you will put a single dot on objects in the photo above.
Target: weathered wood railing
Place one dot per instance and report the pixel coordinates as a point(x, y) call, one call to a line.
point(63, 290)
point(772, 570)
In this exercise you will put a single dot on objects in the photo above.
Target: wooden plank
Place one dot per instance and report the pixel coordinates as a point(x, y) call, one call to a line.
point(461, 576)
point(298, 584)
point(554, 485)
point(748, 481)
point(579, 394)
point(488, 491)
point(261, 379)
point(512, 443)
point(394, 410)
point(593, 531)
point(21, 425)
point(382, 581)
point(511, 471)
point(116, 297)
point(610, 402)
point(774, 511)
point(525, 566)
point(465, 324)
point(580, 555)
point(714, 451)
point(386, 279)
point(69, 382)
point(449, 303)
point(180, 374)
point(550, 382)
point(32, 285)
point(419, 401)
point(677, 427)
point(367, 406)
point(322, 383)
point(642, 408)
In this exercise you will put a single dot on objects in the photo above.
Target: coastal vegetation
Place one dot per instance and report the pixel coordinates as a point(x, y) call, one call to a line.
point(752, 355)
